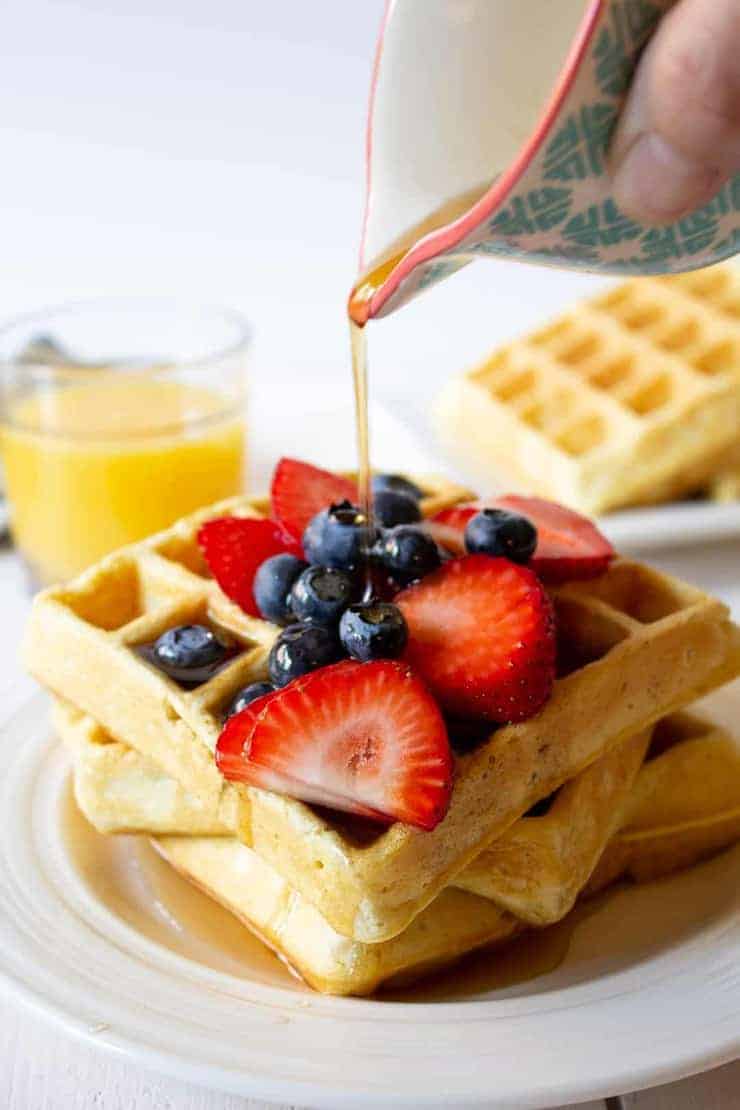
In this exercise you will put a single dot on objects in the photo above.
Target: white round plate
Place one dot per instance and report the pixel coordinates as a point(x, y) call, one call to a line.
point(98, 934)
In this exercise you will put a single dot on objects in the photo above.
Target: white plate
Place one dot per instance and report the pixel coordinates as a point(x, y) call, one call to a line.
point(101, 936)
point(680, 524)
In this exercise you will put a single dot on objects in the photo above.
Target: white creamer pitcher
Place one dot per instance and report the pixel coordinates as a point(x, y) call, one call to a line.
point(488, 128)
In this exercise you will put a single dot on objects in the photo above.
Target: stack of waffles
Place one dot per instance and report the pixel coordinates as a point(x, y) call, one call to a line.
point(630, 398)
point(611, 779)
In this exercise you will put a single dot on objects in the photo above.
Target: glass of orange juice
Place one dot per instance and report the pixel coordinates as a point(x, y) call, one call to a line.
point(116, 418)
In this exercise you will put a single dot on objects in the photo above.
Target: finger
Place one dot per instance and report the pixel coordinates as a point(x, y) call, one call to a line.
point(679, 136)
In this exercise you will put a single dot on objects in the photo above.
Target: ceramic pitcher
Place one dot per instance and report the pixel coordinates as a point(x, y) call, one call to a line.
point(488, 130)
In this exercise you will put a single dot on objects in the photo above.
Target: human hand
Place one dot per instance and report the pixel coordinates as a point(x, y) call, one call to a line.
point(678, 140)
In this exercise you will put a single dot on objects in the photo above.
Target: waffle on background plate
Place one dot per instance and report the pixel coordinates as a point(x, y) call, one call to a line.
point(630, 398)
point(635, 645)
point(621, 817)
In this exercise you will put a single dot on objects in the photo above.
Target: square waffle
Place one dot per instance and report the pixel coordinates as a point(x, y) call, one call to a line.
point(631, 397)
point(636, 644)
point(682, 806)
point(535, 870)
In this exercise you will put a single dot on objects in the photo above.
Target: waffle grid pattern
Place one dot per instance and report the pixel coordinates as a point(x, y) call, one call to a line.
point(633, 396)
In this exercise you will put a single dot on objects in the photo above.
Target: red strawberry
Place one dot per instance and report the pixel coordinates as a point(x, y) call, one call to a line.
point(482, 635)
point(366, 738)
point(234, 547)
point(448, 526)
point(569, 546)
point(299, 491)
point(235, 737)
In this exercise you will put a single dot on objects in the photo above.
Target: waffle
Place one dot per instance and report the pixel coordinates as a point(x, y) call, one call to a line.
point(682, 806)
point(725, 485)
point(635, 645)
point(630, 398)
point(535, 870)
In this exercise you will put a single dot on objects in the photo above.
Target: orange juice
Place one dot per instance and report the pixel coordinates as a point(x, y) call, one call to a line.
point(90, 467)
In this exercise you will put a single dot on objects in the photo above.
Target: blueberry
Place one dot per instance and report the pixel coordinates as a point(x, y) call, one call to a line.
point(338, 537)
point(373, 630)
point(499, 532)
point(392, 507)
point(301, 648)
point(191, 653)
point(407, 553)
point(321, 594)
point(246, 696)
point(272, 584)
point(398, 484)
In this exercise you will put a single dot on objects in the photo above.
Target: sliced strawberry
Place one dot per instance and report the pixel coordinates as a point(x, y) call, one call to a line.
point(569, 546)
point(482, 635)
point(365, 738)
point(448, 526)
point(299, 491)
point(234, 547)
point(236, 736)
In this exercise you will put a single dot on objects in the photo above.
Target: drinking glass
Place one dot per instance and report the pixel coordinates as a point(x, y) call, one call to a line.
point(116, 418)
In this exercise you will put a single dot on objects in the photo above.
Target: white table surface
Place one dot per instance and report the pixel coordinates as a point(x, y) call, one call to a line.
point(215, 151)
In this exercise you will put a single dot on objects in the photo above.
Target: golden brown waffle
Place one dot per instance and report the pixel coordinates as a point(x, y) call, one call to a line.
point(535, 870)
point(630, 398)
point(725, 485)
point(637, 645)
point(121, 791)
point(684, 805)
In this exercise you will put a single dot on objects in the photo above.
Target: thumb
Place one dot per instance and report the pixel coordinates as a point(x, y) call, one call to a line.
point(679, 136)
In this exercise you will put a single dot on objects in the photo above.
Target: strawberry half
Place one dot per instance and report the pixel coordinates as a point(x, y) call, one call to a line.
point(234, 547)
point(569, 546)
point(299, 491)
point(365, 738)
point(482, 636)
point(235, 737)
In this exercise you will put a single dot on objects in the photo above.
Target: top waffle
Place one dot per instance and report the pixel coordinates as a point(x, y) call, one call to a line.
point(631, 397)
point(635, 645)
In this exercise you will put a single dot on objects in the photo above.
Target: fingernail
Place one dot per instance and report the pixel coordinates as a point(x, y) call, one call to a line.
point(656, 183)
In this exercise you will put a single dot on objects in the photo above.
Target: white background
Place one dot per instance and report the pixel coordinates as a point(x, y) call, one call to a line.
point(214, 149)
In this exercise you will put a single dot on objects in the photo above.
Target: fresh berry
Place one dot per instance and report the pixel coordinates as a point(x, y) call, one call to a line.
point(235, 547)
point(272, 585)
point(407, 553)
point(299, 491)
point(321, 594)
point(249, 694)
point(191, 654)
point(391, 508)
point(234, 741)
point(569, 546)
point(397, 484)
point(482, 635)
point(448, 526)
point(301, 648)
point(499, 532)
point(338, 537)
point(373, 630)
point(365, 738)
